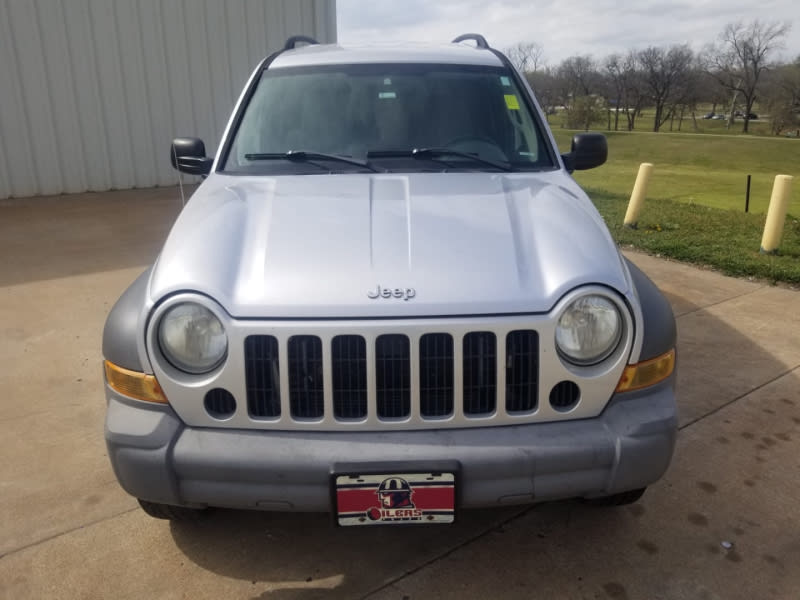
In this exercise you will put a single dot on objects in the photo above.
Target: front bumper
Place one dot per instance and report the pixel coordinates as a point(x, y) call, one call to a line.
point(157, 458)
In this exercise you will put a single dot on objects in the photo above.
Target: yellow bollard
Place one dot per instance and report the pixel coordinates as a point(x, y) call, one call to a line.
point(638, 194)
point(776, 214)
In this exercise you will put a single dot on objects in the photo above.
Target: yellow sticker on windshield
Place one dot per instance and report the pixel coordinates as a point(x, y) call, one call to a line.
point(511, 102)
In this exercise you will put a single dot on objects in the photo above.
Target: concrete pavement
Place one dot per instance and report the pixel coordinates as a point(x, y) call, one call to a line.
point(68, 531)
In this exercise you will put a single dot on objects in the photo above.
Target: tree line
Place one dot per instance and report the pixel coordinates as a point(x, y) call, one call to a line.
point(733, 74)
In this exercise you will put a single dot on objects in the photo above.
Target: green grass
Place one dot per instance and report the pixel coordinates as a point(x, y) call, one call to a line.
point(701, 169)
point(694, 209)
point(724, 239)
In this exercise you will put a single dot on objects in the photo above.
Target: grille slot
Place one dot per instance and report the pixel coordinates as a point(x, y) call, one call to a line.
point(436, 374)
point(261, 376)
point(480, 372)
point(306, 391)
point(392, 376)
point(522, 370)
point(349, 362)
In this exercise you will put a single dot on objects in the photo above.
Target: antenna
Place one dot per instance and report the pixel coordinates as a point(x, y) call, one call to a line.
point(180, 176)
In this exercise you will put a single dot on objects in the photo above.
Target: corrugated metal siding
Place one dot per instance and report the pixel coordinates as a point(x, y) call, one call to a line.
point(93, 91)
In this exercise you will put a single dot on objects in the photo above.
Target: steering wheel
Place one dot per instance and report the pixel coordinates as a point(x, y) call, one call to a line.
point(477, 144)
point(465, 139)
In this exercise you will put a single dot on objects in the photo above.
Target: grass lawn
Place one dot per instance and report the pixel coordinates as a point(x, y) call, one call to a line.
point(697, 168)
point(726, 240)
point(694, 210)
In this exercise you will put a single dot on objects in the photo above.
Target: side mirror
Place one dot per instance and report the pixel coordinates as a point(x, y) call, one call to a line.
point(589, 150)
point(188, 155)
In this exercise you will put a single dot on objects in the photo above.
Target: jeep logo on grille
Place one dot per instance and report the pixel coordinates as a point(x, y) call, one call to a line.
point(384, 292)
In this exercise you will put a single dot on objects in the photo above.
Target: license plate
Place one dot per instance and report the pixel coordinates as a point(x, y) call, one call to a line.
point(395, 499)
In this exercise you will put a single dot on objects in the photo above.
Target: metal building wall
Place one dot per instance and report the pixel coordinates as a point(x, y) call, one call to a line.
point(93, 91)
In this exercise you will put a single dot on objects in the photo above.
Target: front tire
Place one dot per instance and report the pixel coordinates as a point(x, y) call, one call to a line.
point(620, 499)
point(169, 512)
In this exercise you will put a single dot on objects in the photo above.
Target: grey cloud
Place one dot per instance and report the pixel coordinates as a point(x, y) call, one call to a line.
point(562, 27)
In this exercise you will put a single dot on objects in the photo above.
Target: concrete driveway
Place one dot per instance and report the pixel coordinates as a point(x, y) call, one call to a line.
point(724, 523)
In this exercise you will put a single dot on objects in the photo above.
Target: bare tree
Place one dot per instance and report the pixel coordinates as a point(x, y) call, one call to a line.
point(696, 92)
point(708, 88)
point(740, 58)
point(528, 57)
point(544, 85)
point(780, 96)
point(579, 87)
point(665, 73)
point(578, 75)
point(626, 81)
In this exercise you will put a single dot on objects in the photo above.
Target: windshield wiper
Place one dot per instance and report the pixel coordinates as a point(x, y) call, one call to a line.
point(303, 156)
point(437, 153)
point(441, 152)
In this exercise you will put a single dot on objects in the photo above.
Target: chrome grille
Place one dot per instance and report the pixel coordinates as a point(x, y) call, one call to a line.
point(500, 372)
point(397, 369)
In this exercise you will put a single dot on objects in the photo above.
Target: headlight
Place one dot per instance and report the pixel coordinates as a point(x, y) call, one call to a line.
point(192, 338)
point(588, 330)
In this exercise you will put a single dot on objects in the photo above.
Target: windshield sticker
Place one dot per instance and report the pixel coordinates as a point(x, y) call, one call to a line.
point(511, 102)
point(384, 95)
point(387, 81)
point(505, 81)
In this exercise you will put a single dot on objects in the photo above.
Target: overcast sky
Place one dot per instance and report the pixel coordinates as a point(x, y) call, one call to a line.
point(564, 27)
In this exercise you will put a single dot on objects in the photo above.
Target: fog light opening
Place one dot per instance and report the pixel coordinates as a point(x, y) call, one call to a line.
point(565, 396)
point(219, 404)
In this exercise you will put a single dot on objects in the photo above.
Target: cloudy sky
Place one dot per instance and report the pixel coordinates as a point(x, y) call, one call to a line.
point(562, 27)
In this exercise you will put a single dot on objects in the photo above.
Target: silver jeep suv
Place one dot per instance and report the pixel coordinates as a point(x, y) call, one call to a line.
point(388, 300)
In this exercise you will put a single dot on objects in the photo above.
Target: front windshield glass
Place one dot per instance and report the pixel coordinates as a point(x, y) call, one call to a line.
point(380, 113)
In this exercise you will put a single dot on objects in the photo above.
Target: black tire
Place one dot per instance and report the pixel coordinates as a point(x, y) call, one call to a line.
point(620, 499)
point(169, 512)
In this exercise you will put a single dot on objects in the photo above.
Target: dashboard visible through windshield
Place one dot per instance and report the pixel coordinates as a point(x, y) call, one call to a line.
point(387, 117)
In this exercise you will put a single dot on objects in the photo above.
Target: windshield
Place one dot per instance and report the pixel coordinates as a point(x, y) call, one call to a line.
point(382, 114)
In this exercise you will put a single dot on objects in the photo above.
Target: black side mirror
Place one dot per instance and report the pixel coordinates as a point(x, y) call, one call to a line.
point(589, 150)
point(188, 155)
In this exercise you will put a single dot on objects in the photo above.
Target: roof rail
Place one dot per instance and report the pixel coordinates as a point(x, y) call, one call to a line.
point(292, 42)
point(480, 41)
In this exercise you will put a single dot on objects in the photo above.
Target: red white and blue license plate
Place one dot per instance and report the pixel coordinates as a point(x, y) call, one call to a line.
point(407, 498)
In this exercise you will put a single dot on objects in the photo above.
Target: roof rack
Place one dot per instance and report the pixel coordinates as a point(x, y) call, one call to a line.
point(292, 42)
point(480, 41)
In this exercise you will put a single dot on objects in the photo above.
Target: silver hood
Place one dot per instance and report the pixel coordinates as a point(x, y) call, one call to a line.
point(451, 243)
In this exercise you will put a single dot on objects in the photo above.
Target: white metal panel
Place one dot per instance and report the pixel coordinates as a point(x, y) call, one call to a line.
point(94, 90)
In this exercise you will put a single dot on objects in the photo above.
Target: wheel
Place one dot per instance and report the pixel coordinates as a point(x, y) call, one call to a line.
point(620, 499)
point(172, 513)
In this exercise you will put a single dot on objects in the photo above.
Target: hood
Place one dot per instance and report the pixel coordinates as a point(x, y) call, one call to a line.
point(405, 245)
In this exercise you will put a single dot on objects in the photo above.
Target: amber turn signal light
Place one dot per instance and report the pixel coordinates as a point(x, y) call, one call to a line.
point(646, 373)
point(134, 384)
